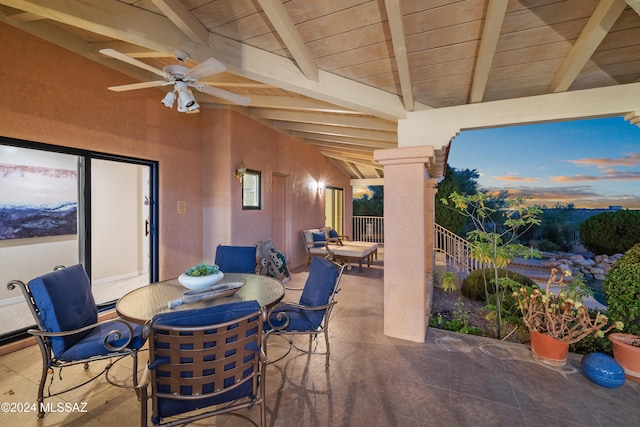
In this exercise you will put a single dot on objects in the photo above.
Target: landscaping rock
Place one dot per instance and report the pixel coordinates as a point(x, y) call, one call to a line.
point(589, 266)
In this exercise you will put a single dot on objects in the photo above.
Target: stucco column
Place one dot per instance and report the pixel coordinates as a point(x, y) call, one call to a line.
point(408, 217)
point(430, 218)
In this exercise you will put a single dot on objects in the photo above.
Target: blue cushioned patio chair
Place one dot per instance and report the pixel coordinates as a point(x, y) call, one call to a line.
point(236, 259)
point(204, 362)
point(68, 329)
point(310, 316)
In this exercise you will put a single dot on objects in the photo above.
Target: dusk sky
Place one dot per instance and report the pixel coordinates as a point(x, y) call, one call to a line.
point(591, 163)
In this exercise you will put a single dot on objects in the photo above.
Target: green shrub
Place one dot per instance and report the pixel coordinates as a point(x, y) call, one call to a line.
point(548, 246)
point(591, 343)
point(622, 290)
point(611, 232)
point(559, 235)
point(474, 285)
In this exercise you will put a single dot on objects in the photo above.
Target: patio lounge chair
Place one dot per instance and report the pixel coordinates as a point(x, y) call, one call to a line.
point(311, 315)
point(323, 242)
point(203, 363)
point(316, 244)
point(68, 332)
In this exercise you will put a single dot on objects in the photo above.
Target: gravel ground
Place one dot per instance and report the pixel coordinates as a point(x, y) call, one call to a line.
point(444, 303)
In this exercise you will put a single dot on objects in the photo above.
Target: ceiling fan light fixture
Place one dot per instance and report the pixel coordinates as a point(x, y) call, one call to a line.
point(185, 96)
point(194, 108)
point(169, 99)
point(187, 100)
point(182, 78)
point(181, 107)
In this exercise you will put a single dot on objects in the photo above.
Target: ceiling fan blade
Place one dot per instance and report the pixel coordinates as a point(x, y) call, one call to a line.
point(207, 68)
point(142, 85)
point(237, 99)
point(129, 60)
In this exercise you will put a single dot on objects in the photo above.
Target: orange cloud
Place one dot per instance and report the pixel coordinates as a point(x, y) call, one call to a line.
point(517, 179)
point(581, 196)
point(631, 159)
point(610, 176)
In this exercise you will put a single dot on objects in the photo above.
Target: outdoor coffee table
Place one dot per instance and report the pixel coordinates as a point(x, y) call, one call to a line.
point(143, 303)
point(353, 253)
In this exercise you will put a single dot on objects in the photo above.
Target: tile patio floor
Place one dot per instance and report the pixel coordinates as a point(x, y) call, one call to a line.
point(373, 380)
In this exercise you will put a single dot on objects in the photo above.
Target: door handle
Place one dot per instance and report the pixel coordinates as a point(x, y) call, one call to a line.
point(146, 227)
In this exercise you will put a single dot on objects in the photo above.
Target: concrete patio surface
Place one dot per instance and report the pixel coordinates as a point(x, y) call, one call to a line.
point(373, 380)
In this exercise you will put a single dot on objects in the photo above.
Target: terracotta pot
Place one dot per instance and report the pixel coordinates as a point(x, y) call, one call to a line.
point(627, 355)
point(549, 350)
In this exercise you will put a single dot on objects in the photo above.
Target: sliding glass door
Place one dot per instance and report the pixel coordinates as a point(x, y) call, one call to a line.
point(120, 228)
point(334, 208)
point(38, 222)
point(62, 206)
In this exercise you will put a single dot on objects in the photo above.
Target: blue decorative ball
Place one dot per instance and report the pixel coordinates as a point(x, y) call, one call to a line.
point(603, 370)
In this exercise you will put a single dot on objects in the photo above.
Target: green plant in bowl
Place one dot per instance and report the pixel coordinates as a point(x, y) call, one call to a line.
point(202, 269)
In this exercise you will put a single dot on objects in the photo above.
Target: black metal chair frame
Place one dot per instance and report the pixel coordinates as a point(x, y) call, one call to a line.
point(49, 361)
point(282, 321)
point(184, 336)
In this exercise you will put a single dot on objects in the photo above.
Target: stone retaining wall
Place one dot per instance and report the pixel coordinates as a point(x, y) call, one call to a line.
point(591, 268)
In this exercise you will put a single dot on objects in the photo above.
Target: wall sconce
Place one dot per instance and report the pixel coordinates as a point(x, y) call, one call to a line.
point(321, 186)
point(240, 171)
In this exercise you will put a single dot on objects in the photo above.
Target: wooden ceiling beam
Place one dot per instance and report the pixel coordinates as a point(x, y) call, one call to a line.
point(157, 32)
point(342, 166)
point(298, 104)
point(18, 15)
point(325, 119)
point(356, 155)
point(398, 38)
point(361, 149)
point(132, 50)
point(598, 26)
point(344, 140)
point(490, 34)
point(368, 182)
point(391, 137)
point(184, 20)
point(350, 160)
point(354, 169)
point(244, 83)
point(286, 29)
point(635, 4)
point(357, 151)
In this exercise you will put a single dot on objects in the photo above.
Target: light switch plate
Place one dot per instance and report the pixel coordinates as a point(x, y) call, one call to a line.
point(182, 207)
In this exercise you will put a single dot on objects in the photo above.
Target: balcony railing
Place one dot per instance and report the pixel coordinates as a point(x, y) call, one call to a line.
point(453, 250)
point(448, 247)
point(368, 229)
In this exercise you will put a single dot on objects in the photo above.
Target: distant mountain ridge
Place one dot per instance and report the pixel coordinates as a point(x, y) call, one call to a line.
point(19, 222)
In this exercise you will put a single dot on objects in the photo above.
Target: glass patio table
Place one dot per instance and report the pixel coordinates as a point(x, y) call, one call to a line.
point(143, 303)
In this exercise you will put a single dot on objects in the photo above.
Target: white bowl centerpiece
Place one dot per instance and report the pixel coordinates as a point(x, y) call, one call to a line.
point(200, 275)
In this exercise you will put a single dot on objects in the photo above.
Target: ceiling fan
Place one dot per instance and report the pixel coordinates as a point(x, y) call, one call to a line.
point(182, 78)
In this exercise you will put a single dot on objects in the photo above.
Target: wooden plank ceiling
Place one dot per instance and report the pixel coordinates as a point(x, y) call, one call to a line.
point(339, 74)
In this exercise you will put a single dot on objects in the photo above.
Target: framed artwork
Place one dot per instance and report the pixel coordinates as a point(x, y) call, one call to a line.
point(251, 190)
point(37, 201)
